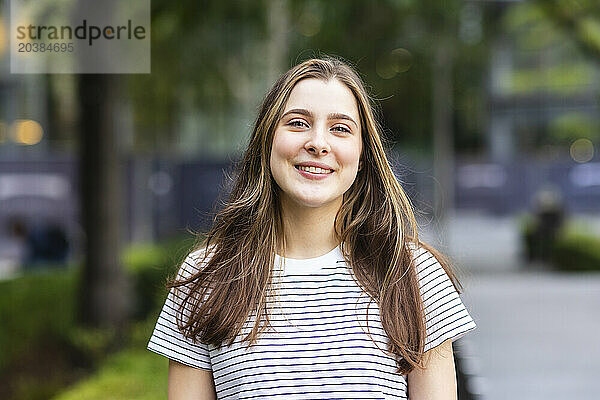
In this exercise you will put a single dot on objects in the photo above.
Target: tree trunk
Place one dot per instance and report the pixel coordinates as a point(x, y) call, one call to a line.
point(277, 44)
point(104, 294)
point(443, 148)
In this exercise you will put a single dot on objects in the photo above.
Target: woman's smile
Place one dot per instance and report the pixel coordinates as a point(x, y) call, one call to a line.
point(311, 170)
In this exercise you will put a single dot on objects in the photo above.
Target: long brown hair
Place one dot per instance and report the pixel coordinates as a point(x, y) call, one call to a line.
point(375, 226)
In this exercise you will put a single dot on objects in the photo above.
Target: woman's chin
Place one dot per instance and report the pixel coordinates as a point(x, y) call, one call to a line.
point(314, 202)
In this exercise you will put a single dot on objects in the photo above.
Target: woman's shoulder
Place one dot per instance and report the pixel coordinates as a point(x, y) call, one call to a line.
point(197, 254)
point(423, 257)
point(194, 261)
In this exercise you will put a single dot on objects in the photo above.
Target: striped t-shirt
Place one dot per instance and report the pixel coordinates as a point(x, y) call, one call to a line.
point(319, 346)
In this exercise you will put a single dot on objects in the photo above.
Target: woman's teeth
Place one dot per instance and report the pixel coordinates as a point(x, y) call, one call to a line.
point(314, 170)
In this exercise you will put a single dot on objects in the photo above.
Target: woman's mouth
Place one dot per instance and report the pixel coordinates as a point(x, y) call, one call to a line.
point(313, 172)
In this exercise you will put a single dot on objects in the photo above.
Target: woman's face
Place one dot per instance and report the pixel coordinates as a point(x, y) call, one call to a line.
point(317, 144)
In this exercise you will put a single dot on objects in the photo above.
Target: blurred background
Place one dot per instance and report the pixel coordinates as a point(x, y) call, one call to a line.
point(491, 111)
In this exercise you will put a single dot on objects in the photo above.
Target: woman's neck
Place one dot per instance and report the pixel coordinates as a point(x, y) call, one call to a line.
point(309, 231)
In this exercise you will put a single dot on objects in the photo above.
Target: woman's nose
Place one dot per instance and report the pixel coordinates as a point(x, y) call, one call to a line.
point(317, 141)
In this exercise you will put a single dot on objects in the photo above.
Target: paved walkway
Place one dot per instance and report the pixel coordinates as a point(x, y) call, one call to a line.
point(537, 330)
point(537, 335)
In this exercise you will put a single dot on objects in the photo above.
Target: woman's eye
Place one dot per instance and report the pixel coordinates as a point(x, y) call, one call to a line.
point(297, 124)
point(340, 128)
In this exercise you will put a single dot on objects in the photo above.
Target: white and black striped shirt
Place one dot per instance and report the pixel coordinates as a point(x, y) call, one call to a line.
point(319, 347)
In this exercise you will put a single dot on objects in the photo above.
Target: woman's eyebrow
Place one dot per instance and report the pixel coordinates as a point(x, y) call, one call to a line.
point(305, 112)
point(301, 111)
point(342, 116)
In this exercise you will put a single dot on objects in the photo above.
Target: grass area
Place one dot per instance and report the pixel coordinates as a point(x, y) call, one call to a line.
point(134, 373)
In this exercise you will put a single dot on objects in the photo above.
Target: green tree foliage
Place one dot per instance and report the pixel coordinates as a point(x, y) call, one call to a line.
point(556, 51)
point(213, 56)
point(567, 128)
point(393, 44)
point(198, 47)
point(579, 19)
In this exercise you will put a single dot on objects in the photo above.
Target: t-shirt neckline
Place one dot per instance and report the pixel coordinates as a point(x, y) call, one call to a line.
point(309, 265)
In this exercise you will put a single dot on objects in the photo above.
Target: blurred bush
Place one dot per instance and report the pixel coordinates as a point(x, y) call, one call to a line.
point(573, 248)
point(36, 308)
point(38, 314)
point(149, 265)
point(576, 250)
point(135, 372)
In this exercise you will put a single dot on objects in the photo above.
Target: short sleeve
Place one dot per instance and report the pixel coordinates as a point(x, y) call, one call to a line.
point(446, 317)
point(167, 340)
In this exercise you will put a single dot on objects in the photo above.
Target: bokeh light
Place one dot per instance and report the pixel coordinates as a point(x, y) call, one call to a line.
point(582, 150)
point(310, 20)
point(26, 131)
point(396, 61)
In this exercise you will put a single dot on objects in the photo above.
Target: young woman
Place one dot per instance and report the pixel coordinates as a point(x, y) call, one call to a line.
point(312, 283)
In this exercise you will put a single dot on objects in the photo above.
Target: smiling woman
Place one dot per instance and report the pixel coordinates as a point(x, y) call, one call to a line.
point(312, 283)
point(316, 147)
